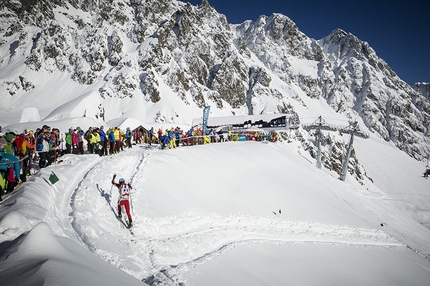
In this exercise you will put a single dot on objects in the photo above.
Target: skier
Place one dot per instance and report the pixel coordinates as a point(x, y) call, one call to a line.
point(124, 198)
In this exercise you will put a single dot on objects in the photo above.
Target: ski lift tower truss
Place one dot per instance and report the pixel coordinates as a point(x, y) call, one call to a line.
point(319, 125)
point(352, 129)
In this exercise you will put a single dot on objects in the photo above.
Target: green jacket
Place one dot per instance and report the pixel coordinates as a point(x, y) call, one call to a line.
point(69, 138)
point(8, 148)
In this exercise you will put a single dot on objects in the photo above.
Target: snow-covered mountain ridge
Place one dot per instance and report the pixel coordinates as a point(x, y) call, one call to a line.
point(164, 60)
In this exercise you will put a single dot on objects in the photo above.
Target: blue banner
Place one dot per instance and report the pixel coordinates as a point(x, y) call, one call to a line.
point(205, 119)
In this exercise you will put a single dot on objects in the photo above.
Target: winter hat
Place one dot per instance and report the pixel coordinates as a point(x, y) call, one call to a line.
point(10, 137)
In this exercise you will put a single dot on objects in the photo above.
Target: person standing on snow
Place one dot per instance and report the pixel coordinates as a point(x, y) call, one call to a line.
point(124, 198)
point(69, 141)
point(43, 146)
point(111, 137)
point(150, 134)
point(103, 141)
point(128, 135)
point(94, 142)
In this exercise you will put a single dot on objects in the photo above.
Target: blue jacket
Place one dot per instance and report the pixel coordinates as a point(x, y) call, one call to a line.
point(8, 160)
point(39, 142)
point(112, 136)
point(80, 134)
point(102, 135)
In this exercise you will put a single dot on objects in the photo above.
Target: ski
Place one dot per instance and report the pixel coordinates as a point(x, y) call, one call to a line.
point(120, 220)
point(130, 228)
point(124, 224)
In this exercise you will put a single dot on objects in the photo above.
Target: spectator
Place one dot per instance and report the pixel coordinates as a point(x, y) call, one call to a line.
point(75, 142)
point(103, 141)
point(94, 142)
point(178, 133)
point(221, 135)
point(128, 137)
point(69, 141)
point(150, 134)
point(3, 141)
point(118, 139)
point(80, 140)
point(55, 150)
point(87, 138)
point(111, 136)
point(10, 138)
point(43, 143)
point(30, 146)
point(10, 170)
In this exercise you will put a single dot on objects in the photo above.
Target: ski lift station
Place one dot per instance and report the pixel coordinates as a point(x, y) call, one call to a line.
point(263, 122)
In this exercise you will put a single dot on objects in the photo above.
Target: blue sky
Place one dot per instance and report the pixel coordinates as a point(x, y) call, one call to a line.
point(399, 31)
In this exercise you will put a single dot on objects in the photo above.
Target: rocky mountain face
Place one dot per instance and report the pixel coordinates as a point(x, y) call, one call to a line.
point(137, 48)
point(423, 88)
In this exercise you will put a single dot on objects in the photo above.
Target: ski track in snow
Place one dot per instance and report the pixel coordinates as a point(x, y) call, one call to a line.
point(163, 248)
point(74, 222)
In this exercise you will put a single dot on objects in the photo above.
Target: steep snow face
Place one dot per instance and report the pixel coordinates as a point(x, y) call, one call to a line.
point(164, 61)
point(364, 83)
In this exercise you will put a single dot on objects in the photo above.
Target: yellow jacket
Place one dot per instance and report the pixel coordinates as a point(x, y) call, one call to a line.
point(94, 138)
point(117, 135)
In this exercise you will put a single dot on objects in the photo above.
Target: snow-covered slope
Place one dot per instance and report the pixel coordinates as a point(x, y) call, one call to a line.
point(230, 213)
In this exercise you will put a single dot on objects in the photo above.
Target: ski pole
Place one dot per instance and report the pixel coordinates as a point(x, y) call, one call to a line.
point(131, 201)
point(111, 185)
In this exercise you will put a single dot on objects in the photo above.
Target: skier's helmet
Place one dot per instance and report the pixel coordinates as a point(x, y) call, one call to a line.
point(121, 180)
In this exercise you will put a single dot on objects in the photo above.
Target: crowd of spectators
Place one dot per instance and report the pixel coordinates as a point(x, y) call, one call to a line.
point(29, 151)
point(172, 138)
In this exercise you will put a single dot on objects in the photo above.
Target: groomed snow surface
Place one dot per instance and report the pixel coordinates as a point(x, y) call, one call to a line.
point(234, 213)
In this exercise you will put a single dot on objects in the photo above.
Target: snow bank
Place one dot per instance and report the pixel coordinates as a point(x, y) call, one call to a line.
point(30, 114)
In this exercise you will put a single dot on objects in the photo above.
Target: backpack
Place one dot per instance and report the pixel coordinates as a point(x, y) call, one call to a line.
point(19, 142)
point(87, 135)
point(39, 143)
point(11, 175)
